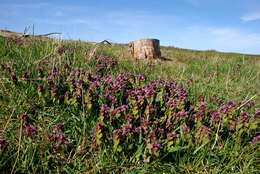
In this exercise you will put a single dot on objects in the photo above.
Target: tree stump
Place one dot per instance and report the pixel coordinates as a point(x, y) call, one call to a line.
point(145, 49)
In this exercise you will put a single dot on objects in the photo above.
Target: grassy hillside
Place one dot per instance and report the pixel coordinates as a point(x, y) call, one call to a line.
point(54, 110)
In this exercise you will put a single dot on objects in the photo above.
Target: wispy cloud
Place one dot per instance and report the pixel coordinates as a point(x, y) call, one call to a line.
point(251, 17)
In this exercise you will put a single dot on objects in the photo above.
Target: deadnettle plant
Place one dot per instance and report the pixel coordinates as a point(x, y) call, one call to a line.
point(98, 135)
point(118, 110)
point(57, 138)
point(28, 128)
point(203, 134)
point(244, 117)
point(153, 143)
point(127, 129)
point(117, 135)
point(215, 117)
point(104, 112)
point(138, 118)
point(3, 143)
point(201, 110)
point(14, 78)
point(257, 115)
point(256, 139)
point(227, 108)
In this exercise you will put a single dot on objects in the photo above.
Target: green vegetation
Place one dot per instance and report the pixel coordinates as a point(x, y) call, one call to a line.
point(64, 109)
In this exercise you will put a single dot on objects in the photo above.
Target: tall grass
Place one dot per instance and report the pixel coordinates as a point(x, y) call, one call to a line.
point(228, 77)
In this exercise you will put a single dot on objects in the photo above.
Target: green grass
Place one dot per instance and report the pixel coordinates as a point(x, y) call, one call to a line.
point(227, 76)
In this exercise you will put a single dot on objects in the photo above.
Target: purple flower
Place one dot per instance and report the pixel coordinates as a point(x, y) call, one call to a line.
point(182, 114)
point(79, 83)
point(111, 98)
point(14, 78)
point(244, 117)
point(152, 135)
point(182, 94)
point(185, 128)
point(170, 121)
point(127, 128)
point(199, 115)
point(55, 71)
point(59, 126)
point(204, 131)
point(226, 108)
point(172, 136)
point(40, 89)
point(94, 86)
point(257, 114)
point(58, 138)
point(25, 117)
point(104, 109)
point(145, 123)
point(77, 73)
point(161, 131)
point(117, 133)
point(141, 77)
point(3, 143)
point(256, 139)
point(201, 99)
point(128, 118)
point(155, 148)
point(50, 78)
point(138, 130)
point(172, 103)
point(119, 109)
point(100, 126)
point(108, 80)
point(30, 130)
point(149, 91)
point(215, 116)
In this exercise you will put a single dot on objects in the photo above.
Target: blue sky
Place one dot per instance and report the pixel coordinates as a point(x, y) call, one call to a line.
point(224, 25)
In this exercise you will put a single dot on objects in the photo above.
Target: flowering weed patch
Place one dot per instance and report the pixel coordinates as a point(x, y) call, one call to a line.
point(60, 118)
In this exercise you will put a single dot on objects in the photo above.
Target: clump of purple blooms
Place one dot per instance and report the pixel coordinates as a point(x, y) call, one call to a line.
point(132, 113)
point(58, 138)
point(29, 129)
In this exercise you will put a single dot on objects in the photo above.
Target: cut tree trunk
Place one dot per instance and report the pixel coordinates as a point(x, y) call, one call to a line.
point(145, 49)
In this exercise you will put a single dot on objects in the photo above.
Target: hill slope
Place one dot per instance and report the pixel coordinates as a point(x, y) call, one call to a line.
point(69, 107)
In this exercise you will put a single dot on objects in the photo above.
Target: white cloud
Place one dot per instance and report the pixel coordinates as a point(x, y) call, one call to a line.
point(251, 17)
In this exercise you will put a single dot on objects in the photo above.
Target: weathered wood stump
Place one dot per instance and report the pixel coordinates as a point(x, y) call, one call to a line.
point(145, 49)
